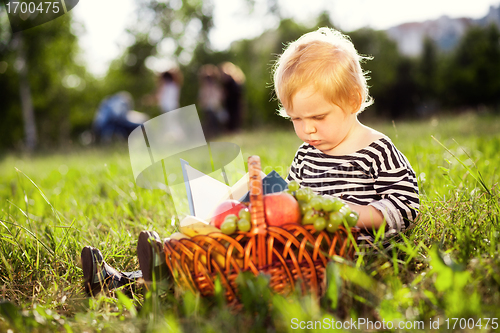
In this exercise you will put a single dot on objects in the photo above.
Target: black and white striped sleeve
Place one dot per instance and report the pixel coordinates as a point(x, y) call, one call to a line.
point(397, 186)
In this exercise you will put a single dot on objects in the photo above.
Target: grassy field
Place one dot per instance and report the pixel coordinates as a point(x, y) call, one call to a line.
point(447, 267)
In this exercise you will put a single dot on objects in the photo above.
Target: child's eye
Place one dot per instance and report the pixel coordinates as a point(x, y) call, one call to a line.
point(319, 117)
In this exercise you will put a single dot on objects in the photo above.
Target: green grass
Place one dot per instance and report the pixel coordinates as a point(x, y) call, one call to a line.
point(52, 205)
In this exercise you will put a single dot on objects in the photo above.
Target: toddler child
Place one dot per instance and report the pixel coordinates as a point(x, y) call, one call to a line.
point(321, 88)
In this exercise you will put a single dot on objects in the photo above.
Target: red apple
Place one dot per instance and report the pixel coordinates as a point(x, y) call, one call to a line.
point(224, 209)
point(281, 208)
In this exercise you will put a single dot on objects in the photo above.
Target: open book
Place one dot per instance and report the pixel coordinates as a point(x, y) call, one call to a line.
point(206, 193)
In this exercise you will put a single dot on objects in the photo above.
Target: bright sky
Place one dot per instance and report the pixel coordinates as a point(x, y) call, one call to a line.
point(105, 21)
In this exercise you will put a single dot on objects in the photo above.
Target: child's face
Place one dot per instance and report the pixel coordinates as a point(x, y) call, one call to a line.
point(319, 122)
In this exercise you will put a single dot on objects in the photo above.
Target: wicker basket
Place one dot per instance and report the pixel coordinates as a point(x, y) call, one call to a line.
point(290, 254)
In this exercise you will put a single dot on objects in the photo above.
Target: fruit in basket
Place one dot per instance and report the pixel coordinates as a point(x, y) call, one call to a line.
point(335, 219)
point(331, 204)
point(280, 209)
point(345, 210)
point(224, 209)
point(309, 217)
point(229, 226)
point(192, 226)
point(244, 225)
point(331, 227)
point(317, 202)
point(244, 214)
point(304, 194)
point(352, 219)
point(178, 236)
point(230, 217)
point(337, 204)
point(293, 185)
point(319, 223)
point(304, 207)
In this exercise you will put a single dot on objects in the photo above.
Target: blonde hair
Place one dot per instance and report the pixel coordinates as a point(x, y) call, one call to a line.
point(328, 60)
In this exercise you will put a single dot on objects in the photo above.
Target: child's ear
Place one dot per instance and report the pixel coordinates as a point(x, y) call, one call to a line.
point(355, 101)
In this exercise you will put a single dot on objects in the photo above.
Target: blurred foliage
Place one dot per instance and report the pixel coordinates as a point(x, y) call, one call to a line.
point(474, 70)
point(65, 96)
point(129, 73)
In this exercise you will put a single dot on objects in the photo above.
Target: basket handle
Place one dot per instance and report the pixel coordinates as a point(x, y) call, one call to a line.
point(256, 194)
point(259, 226)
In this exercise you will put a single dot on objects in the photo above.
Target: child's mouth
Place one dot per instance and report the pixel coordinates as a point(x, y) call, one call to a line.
point(313, 142)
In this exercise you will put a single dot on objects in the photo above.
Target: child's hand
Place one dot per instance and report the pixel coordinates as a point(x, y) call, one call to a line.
point(369, 216)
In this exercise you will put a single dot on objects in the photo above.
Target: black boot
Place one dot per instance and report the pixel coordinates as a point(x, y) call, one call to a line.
point(97, 274)
point(152, 261)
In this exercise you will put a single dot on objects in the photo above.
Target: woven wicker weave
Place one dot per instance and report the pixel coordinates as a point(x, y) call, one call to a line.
point(290, 254)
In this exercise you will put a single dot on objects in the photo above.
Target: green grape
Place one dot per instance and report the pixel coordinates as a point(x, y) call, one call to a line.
point(228, 227)
point(328, 204)
point(244, 213)
point(337, 204)
point(293, 186)
point(304, 207)
point(309, 217)
point(352, 219)
point(244, 225)
point(336, 218)
point(302, 194)
point(288, 191)
point(345, 210)
point(331, 227)
point(310, 191)
point(317, 202)
point(231, 217)
point(319, 224)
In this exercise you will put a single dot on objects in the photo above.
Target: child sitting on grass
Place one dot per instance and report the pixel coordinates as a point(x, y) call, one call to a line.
point(321, 87)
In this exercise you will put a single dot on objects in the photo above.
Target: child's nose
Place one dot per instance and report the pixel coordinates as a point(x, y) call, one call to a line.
point(309, 127)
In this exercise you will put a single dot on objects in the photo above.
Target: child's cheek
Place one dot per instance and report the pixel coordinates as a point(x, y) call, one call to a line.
point(296, 128)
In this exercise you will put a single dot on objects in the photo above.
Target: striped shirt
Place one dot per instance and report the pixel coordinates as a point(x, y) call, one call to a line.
point(378, 175)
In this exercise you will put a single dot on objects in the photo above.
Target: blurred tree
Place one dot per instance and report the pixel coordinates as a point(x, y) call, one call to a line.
point(30, 132)
point(56, 82)
point(403, 93)
point(187, 23)
point(473, 73)
point(428, 70)
point(429, 78)
point(130, 73)
point(391, 80)
point(256, 57)
point(180, 26)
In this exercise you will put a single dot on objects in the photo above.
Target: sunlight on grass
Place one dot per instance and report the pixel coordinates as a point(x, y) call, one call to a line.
point(57, 203)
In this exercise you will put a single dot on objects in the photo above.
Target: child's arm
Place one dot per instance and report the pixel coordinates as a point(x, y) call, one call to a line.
point(396, 184)
point(369, 216)
point(398, 189)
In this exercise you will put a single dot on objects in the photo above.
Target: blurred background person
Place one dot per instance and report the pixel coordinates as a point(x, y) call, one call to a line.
point(169, 90)
point(232, 79)
point(115, 117)
point(210, 99)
